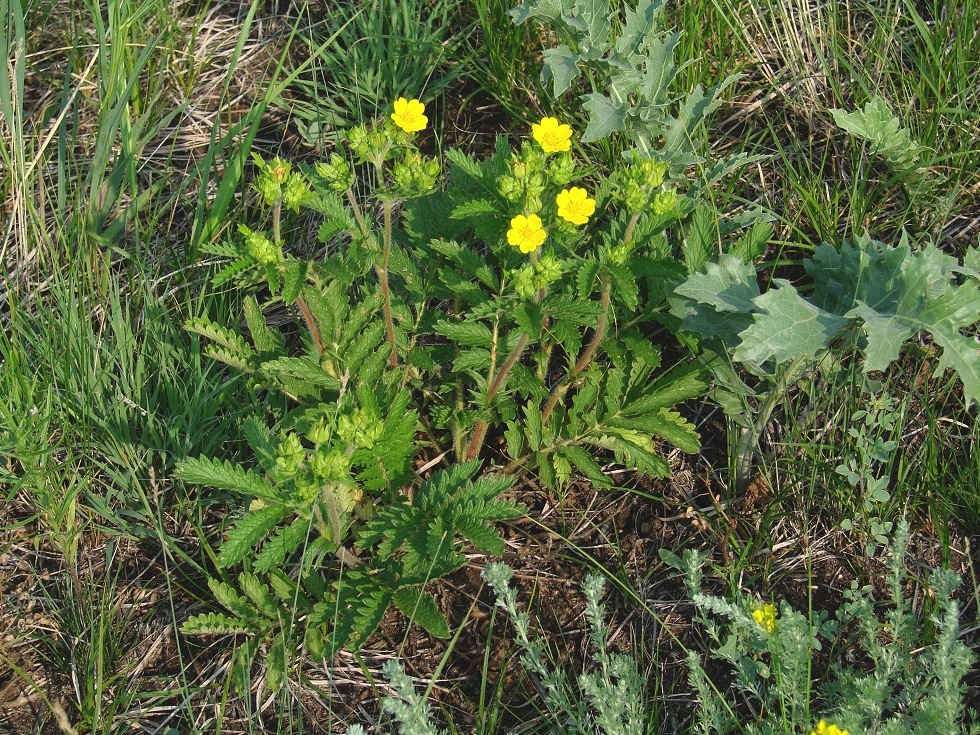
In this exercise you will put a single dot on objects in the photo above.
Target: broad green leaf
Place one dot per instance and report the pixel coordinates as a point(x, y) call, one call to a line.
point(943, 318)
point(877, 124)
point(728, 286)
point(788, 328)
point(561, 65)
point(605, 117)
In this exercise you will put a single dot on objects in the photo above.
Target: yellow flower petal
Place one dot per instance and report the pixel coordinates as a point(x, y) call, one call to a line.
point(409, 115)
point(526, 233)
point(552, 136)
point(575, 206)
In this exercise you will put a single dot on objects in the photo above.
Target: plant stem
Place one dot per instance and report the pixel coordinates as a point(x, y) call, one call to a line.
point(749, 436)
point(300, 303)
point(480, 430)
point(587, 355)
point(381, 268)
point(358, 215)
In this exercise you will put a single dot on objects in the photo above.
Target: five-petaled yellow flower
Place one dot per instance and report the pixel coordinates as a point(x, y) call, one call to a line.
point(552, 136)
point(575, 206)
point(409, 115)
point(823, 728)
point(526, 233)
point(765, 616)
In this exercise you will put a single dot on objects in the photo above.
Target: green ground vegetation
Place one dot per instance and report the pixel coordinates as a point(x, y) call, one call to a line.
point(835, 483)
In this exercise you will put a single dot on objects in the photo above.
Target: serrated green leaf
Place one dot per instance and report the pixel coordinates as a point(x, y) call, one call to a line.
point(265, 340)
point(586, 465)
point(467, 334)
point(532, 427)
point(474, 208)
point(226, 476)
point(419, 607)
point(264, 601)
point(294, 279)
point(249, 531)
point(306, 369)
point(228, 339)
point(482, 536)
point(275, 663)
point(233, 270)
point(667, 425)
point(228, 597)
point(214, 624)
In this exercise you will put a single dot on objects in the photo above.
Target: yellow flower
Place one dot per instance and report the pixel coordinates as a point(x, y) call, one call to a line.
point(765, 616)
point(409, 115)
point(526, 233)
point(575, 206)
point(827, 729)
point(552, 136)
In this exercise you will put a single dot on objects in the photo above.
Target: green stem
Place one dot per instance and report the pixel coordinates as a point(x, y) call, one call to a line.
point(749, 436)
point(480, 429)
point(381, 268)
point(586, 357)
point(358, 215)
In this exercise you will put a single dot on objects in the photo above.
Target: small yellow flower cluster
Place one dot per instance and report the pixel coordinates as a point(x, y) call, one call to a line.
point(409, 115)
point(825, 728)
point(765, 616)
point(574, 204)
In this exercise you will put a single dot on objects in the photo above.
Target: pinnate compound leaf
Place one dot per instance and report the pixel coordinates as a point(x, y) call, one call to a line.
point(264, 601)
point(421, 608)
point(788, 328)
point(250, 530)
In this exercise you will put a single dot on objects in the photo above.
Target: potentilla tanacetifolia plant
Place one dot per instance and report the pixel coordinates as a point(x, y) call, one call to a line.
point(511, 299)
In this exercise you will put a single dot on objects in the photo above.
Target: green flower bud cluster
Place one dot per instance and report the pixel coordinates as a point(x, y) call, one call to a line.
point(361, 428)
point(530, 278)
point(260, 246)
point(526, 179)
point(368, 144)
point(561, 169)
point(664, 201)
point(319, 433)
point(331, 464)
point(290, 454)
point(278, 181)
point(618, 254)
point(415, 175)
point(641, 184)
point(337, 173)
